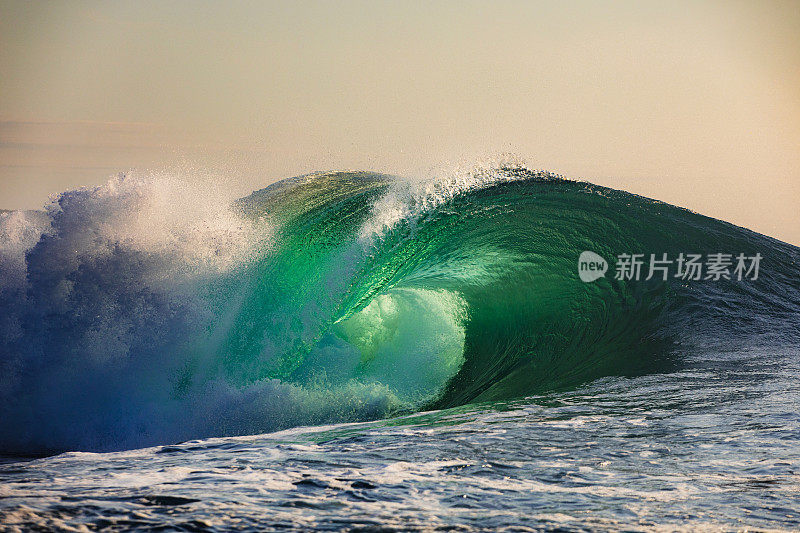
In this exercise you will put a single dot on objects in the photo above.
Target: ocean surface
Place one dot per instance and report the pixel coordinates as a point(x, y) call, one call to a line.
point(354, 351)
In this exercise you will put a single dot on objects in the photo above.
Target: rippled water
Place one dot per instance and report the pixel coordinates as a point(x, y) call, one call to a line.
point(715, 445)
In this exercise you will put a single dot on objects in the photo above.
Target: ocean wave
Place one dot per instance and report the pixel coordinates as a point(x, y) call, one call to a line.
point(149, 310)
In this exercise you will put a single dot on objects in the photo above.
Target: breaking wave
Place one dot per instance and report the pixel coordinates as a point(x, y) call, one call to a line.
point(150, 310)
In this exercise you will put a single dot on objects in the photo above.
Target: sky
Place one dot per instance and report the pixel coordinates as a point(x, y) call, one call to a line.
point(693, 103)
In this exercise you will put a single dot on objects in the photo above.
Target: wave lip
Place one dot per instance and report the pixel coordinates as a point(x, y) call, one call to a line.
point(136, 317)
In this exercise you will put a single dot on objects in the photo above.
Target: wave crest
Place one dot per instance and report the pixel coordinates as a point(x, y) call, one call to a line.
point(149, 310)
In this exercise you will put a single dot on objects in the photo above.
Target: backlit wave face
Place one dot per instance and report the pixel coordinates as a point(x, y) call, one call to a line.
point(146, 311)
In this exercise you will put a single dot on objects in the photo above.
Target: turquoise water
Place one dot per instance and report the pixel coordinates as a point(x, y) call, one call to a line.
point(356, 350)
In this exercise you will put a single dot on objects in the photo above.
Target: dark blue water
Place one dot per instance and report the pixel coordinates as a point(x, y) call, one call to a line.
point(715, 446)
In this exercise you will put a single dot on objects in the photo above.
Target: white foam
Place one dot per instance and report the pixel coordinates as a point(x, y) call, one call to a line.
point(101, 294)
point(409, 198)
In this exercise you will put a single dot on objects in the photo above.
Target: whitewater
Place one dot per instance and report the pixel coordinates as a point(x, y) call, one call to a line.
point(355, 350)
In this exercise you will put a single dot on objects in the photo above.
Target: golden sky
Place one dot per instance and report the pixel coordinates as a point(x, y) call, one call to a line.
point(693, 103)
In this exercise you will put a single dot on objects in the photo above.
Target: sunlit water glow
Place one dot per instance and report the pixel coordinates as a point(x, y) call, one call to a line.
point(354, 350)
